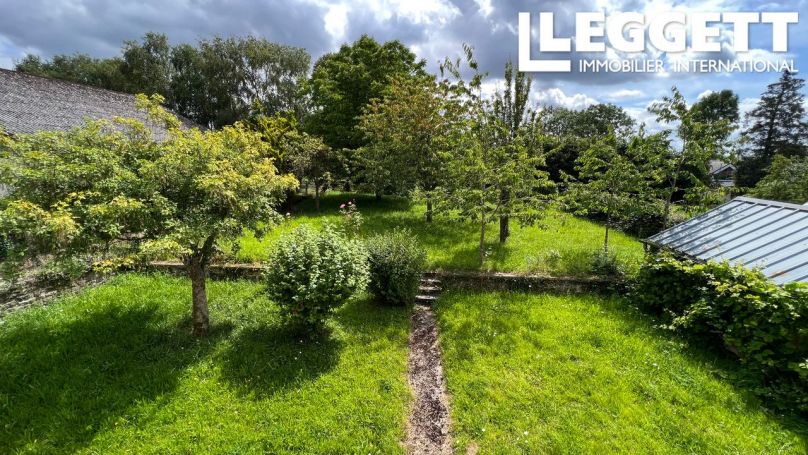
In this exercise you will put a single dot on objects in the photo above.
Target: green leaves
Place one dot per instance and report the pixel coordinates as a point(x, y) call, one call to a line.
point(310, 273)
point(109, 184)
point(763, 322)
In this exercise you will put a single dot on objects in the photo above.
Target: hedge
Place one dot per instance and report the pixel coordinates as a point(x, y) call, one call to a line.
point(764, 323)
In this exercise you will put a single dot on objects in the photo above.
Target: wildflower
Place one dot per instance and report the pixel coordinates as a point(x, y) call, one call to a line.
point(342, 206)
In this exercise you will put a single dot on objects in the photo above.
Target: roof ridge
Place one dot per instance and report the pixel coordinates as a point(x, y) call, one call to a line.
point(772, 203)
point(66, 82)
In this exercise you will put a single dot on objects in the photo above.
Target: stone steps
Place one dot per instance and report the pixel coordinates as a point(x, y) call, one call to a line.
point(428, 291)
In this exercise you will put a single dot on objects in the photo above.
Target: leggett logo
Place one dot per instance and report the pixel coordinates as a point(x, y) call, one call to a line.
point(666, 32)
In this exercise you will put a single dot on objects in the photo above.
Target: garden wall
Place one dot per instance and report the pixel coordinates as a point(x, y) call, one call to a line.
point(449, 279)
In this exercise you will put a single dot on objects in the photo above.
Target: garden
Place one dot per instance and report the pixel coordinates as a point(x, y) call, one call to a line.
point(340, 329)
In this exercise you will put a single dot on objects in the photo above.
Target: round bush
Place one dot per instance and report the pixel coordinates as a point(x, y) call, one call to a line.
point(311, 272)
point(396, 264)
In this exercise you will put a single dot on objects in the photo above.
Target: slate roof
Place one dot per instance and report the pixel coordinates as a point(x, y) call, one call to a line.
point(31, 103)
point(755, 233)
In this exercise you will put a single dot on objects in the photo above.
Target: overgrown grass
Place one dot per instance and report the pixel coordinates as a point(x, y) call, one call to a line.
point(559, 244)
point(115, 370)
point(566, 374)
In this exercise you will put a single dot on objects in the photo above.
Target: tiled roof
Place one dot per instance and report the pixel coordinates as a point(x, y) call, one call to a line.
point(31, 103)
point(755, 233)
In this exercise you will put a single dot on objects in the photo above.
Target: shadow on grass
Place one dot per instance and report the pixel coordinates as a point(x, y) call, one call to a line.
point(61, 382)
point(267, 359)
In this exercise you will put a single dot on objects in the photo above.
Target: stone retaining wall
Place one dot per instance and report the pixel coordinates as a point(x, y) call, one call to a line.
point(29, 293)
point(449, 280)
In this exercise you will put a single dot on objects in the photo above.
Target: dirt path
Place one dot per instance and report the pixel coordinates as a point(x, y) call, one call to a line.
point(428, 426)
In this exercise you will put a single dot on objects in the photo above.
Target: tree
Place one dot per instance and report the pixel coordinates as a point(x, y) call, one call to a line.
point(567, 133)
point(486, 161)
point(111, 193)
point(343, 83)
point(81, 68)
point(776, 126)
point(787, 180)
point(311, 160)
point(146, 66)
point(409, 134)
point(611, 182)
point(511, 108)
point(717, 106)
point(215, 83)
point(700, 142)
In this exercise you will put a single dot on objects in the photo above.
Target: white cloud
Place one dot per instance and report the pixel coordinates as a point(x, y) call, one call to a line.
point(557, 97)
point(704, 93)
point(485, 7)
point(624, 94)
point(746, 105)
point(336, 21)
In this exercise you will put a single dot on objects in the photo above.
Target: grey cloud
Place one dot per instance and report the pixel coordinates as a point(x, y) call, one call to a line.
point(99, 27)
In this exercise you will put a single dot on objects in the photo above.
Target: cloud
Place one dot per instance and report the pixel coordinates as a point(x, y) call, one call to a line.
point(557, 97)
point(434, 29)
point(624, 93)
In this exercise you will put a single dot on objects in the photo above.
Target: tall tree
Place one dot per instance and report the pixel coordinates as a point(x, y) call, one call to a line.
point(511, 108)
point(215, 83)
point(717, 106)
point(777, 126)
point(146, 65)
point(486, 161)
point(410, 133)
point(685, 168)
point(115, 194)
point(342, 84)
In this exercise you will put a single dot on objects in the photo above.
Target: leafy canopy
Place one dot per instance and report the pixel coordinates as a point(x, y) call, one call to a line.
point(107, 184)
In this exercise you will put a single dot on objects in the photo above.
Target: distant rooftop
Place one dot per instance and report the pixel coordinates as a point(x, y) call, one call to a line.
point(29, 104)
point(755, 233)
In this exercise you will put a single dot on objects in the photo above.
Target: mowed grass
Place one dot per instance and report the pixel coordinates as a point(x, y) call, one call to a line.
point(586, 374)
point(559, 244)
point(115, 370)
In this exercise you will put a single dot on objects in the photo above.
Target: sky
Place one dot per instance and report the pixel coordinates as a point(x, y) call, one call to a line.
point(433, 29)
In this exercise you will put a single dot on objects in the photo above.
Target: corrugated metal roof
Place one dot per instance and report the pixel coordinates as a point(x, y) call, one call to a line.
point(755, 233)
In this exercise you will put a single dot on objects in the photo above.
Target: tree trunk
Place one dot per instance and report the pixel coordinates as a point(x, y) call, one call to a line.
point(504, 228)
point(429, 210)
point(317, 197)
point(197, 268)
point(482, 241)
point(504, 220)
point(378, 196)
point(606, 241)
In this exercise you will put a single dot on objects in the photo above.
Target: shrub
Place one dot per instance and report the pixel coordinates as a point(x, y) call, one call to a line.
point(761, 321)
point(396, 264)
point(606, 264)
point(309, 273)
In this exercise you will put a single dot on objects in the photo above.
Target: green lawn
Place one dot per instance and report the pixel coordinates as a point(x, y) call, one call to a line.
point(560, 244)
point(115, 370)
point(564, 374)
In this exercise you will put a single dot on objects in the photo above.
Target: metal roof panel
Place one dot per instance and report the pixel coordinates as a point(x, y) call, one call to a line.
point(751, 232)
